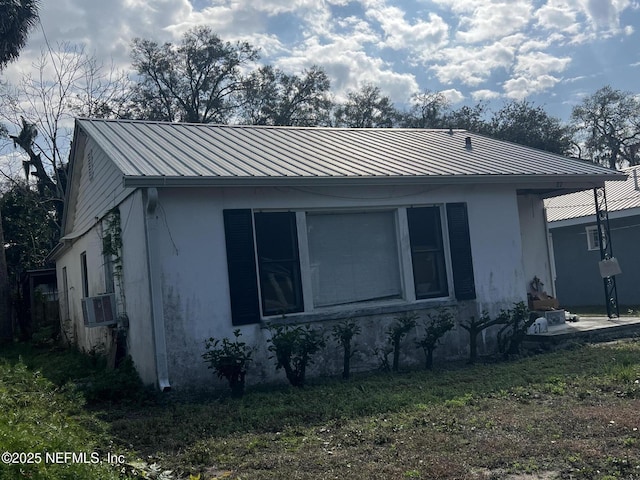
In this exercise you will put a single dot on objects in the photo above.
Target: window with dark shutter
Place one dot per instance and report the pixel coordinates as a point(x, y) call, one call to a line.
point(427, 252)
point(460, 246)
point(241, 265)
point(278, 262)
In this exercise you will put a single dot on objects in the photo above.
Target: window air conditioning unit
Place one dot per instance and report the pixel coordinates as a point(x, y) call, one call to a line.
point(99, 311)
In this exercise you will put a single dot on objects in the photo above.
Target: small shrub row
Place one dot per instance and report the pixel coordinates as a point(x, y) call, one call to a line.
point(294, 346)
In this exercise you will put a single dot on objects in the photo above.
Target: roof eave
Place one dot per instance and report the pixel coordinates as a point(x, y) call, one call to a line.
point(557, 181)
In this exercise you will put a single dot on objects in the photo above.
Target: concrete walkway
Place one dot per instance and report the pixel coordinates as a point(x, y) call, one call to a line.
point(589, 329)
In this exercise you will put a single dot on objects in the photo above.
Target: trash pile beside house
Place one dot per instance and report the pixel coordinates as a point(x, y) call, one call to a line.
point(546, 309)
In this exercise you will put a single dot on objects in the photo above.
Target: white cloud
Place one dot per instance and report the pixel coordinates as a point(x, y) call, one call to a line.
point(539, 44)
point(484, 94)
point(522, 87)
point(604, 14)
point(452, 95)
point(473, 65)
point(537, 64)
point(349, 67)
point(400, 34)
point(556, 15)
point(495, 20)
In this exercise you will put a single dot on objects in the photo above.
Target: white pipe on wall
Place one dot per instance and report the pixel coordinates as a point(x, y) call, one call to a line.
point(155, 288)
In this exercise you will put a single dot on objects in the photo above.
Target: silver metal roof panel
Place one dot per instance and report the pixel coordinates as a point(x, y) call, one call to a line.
point(159, 153)
point(620, 196)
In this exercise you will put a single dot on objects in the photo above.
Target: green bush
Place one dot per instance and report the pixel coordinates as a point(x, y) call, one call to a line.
point(343, 333)
point(437, 325)
point(396, 332)
point(229, 359)
point(293, 347)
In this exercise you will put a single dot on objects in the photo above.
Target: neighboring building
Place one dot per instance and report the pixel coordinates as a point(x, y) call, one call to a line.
point(226, 227)
point(576, 245)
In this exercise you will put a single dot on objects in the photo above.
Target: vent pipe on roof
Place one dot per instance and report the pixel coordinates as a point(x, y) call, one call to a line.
point(635, 179)
point(467, 143)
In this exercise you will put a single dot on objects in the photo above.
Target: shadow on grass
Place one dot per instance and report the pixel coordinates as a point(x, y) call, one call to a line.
point(86, 373)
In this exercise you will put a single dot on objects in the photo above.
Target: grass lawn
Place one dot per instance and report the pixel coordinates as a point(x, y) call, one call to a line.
point(572, 414)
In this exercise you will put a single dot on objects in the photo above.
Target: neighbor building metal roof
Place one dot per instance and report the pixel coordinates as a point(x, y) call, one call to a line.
point(156, 153)
point(620, 196)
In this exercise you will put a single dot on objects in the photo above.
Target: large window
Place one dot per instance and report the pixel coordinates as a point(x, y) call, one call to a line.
point(279, 267)
point(353, 257)
point(344, 258)
point(427, 252)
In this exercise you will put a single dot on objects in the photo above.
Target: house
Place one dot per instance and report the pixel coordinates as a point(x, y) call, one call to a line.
point(576, 244)
point(179, 232)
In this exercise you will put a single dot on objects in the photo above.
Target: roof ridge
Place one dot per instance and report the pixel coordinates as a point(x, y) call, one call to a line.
point(266, 127)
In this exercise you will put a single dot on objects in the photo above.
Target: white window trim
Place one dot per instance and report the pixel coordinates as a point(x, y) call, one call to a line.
point(407, 295)
point(590, 244)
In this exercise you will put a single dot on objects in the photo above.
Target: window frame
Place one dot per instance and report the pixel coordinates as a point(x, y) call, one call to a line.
point(396, 232)
point(440, 253)
point(299, 307)
point(403, 252)
point(593, 241)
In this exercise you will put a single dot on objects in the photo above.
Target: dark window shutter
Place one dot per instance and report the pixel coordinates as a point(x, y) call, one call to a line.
point(460, 245)
point(241, 265)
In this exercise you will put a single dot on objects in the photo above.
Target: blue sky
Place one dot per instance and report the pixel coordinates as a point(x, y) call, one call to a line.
point(552, 52)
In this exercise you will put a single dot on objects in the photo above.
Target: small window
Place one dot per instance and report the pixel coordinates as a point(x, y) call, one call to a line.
point(85, 277)
point(65, 294)
point(278, 263)
point(593, 239)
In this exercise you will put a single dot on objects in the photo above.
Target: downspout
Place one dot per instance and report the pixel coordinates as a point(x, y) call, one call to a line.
point(150, 201)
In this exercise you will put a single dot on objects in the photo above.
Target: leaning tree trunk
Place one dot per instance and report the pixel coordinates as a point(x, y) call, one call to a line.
point(6, 326)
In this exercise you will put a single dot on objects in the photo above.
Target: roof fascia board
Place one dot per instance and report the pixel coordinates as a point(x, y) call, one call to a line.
point(559, 182)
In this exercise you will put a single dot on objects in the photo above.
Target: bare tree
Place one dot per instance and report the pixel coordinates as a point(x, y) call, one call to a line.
point(66, 82)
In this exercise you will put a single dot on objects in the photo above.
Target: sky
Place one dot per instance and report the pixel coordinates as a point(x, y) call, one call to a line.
point(551, 52)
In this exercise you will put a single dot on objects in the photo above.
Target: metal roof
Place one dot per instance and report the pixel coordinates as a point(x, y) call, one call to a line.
point(620, 196)
point(156, 153)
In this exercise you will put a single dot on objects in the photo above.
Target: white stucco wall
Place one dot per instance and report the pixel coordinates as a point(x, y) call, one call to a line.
point(507, 240)
point(194, 269)
point(135, 277)
point(135, 302)
point(86, 339)
point(536, 259)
